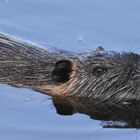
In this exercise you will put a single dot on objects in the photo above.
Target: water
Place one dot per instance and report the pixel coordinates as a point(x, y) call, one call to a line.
point(71, 25)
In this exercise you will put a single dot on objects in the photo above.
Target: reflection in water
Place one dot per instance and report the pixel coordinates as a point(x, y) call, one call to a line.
point(126, 115)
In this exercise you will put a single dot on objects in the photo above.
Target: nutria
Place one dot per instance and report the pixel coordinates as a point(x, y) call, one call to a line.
point(105, 78)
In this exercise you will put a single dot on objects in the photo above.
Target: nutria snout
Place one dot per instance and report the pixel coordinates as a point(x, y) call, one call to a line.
point(62, 71)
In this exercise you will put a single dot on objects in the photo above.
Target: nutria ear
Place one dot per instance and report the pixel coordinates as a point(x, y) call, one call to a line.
point(100, 49)
point(62, 71)
point(63, 106)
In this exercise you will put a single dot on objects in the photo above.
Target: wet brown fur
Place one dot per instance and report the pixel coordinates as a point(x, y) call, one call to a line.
point(105, 76)
point(25, 65)
point(103, 85)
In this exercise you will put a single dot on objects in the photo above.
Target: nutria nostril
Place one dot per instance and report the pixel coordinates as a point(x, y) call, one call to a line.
point(62, 71)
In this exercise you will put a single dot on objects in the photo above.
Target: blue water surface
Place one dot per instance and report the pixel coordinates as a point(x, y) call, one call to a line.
point(74, 25)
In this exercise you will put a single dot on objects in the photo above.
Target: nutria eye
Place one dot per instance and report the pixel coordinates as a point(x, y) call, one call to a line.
point(98, 71)
point(62, 71)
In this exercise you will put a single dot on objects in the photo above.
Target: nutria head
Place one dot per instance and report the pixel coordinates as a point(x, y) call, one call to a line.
point(93, 83)
point(106, 76)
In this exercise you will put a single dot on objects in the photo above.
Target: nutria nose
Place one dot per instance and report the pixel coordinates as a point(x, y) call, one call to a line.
point(62, 71)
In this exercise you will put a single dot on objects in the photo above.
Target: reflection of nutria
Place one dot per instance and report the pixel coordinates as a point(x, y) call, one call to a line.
point(105, 76)
point(122, 115)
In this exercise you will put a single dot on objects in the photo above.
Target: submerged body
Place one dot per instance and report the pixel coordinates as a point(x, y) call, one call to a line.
point(105, 76)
